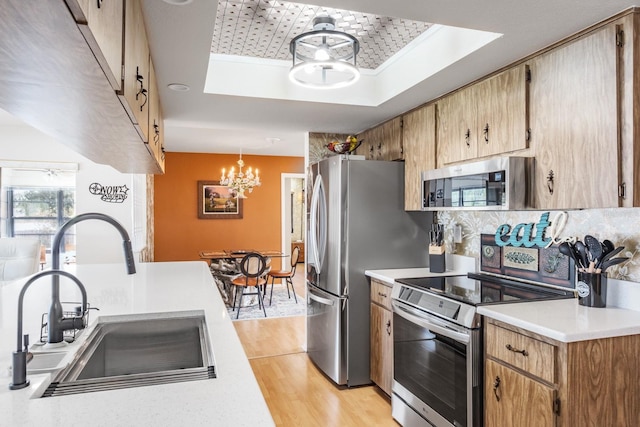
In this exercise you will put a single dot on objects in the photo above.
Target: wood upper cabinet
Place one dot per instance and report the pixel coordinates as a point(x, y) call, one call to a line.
point(156, 122)
point(532, 380)
point(457, 137)
point(574, 121)
point(419, 142)
point(381, 336)
point(101, 25)
point(503, 119)
point(135, 93)
point(383, 142)
point(487, 118)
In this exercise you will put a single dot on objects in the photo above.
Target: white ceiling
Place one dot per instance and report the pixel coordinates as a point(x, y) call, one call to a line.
point(181, 39)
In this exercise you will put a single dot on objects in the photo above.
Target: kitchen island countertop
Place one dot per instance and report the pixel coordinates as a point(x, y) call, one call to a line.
point(233, 398)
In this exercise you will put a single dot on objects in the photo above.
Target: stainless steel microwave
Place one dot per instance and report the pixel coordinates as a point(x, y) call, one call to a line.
point(499, 183)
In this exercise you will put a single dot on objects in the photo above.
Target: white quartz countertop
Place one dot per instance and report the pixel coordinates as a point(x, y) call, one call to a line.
point(566, 320)
point(456, 265)
point(232, 399)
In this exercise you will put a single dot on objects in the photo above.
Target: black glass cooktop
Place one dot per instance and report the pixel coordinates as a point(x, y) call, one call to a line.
point(478, 288)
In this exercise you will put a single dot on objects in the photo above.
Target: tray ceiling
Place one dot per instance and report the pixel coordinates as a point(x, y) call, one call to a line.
point(264, 29)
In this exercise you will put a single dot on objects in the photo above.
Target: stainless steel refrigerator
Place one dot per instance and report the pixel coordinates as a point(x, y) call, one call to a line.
point(356, 222)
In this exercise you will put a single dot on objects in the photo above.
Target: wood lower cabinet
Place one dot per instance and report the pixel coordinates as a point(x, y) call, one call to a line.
point(513, 399)
point(381, 336)
point(419, 141)
point(532, 380)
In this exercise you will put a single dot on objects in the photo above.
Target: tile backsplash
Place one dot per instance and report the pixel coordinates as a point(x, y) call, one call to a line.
point(620, 225)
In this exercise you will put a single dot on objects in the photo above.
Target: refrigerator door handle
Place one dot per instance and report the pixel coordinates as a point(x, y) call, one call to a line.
point(318, 223)
point(321, 300)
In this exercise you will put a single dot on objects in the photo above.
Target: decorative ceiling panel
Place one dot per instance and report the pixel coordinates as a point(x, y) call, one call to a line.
point(264, 29)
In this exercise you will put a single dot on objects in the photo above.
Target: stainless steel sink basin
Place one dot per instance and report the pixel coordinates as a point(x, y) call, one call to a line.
point(139, 350)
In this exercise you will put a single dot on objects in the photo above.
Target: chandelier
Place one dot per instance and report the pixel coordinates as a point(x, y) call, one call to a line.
point(241, 181)
point(324, 58)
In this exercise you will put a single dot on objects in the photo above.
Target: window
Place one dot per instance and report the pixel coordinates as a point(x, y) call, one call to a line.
point(39, 212)
point(36, 198)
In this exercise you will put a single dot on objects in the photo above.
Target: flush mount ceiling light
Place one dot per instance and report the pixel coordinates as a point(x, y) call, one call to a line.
point(178, 87)
point(178, 2)
point(324, 58)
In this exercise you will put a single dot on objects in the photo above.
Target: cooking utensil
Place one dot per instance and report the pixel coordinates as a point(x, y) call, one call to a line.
point(611, 262)
point(582, 251)
point(594, 250)
point(609, 255)
point(607, 246)
point(568, 250)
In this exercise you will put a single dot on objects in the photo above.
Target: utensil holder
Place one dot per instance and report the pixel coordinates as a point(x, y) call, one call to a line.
point(592, 289)
point(437, 263)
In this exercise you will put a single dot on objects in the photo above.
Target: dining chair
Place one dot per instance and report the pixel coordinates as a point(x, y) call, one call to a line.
point(19, 257)
point(286, 276)
point(252, 269)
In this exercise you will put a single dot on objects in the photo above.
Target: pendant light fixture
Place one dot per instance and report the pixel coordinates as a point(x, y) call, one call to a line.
point(324, 58)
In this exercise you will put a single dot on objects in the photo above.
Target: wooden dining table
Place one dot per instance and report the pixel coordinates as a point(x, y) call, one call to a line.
point(224, 266)
point(237, 253)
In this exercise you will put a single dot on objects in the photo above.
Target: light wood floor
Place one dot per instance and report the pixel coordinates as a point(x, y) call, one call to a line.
point(297, 393)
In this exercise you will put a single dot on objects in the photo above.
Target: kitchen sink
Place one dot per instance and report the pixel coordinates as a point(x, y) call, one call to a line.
point(138, 350)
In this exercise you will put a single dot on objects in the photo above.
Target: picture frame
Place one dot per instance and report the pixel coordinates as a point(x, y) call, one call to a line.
point(216, 201)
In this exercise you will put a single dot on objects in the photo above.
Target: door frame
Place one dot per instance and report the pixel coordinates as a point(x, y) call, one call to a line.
point(285, 211)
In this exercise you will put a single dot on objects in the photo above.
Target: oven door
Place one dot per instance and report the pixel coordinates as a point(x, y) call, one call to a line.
point(437, 370)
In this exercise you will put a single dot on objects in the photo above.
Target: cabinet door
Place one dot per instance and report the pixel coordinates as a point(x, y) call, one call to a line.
point(457, 135)
point(136, 69)
point(503, 118)
point(574, 123)
point(156, 121)
point(392, 144)
point(102, 27)
point(366, 147)
point(512, 399)
point(381, 348)
point(419, 141)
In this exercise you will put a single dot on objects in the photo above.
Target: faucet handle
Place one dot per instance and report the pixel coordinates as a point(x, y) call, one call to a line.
point(25, 339)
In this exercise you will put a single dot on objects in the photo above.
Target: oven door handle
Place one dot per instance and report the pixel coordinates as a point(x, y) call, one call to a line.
point(429, 322)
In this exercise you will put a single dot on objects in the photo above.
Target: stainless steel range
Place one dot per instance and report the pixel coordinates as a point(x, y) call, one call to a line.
point(437, 345)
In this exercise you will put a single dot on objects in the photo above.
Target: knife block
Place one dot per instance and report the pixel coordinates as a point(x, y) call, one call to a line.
point(437, 263)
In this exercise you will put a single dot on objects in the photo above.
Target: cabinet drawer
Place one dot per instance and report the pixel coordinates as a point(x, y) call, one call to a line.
point(523, 352)
point(381, 294)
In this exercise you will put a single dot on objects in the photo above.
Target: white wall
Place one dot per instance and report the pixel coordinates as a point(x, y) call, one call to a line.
point(96, 241)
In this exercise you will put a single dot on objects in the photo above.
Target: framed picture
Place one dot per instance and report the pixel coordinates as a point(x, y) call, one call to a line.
point(217, 201)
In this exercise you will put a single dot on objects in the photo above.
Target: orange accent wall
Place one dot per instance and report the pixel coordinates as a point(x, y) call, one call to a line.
point(180, 235)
